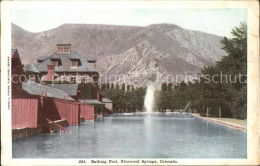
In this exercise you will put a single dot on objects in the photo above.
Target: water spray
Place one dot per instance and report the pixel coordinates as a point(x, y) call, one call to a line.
point(149, 98)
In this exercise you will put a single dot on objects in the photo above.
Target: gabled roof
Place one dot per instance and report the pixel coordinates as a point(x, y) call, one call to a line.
point(31, 67)
point(92, 102)
point(34, 88)
point(70, 89)
point(12, 52)
point(84, 66)
point(106, 100)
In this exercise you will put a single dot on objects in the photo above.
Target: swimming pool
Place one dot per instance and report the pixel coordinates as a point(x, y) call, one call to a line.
point(140, 135)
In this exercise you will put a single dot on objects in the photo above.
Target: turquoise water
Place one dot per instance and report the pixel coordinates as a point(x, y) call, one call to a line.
point(156, 135)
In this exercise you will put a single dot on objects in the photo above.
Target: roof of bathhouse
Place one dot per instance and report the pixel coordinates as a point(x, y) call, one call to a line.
point(42, 58)
point(70, 89)
point(31, 67)
point(106, 100)
point(34, 88)
point(84, 65)
point(13, 51)
point(92, 102)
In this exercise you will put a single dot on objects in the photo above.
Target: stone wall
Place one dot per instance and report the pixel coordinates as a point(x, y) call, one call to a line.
point(27, 132)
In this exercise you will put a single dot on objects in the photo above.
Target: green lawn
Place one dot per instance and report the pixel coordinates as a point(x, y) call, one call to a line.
point(231, 120)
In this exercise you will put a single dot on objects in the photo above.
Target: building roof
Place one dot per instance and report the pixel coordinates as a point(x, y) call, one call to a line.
point(31, 67)
point(70, 89)
point(90, 59)
point(12, 52)
point(106, 100)
point(34, 88)
point(92, 102)
point(42, 58)
point(84, 66)
point(63, 44)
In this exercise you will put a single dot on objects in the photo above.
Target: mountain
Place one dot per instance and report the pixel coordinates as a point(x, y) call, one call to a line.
point(136, 54)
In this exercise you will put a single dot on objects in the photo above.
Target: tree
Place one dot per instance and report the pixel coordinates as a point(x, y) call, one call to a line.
point(236, 61)
point(219, 96)
point(164, 87)
point(86, 90)
point(108, 86)
point(117, 87)
point(133, 89)
point(169, 87)
point(235, 64)
point(112, 86)
point(125, 101)
point(128, 88)
point(103, 87)
point(123, 87)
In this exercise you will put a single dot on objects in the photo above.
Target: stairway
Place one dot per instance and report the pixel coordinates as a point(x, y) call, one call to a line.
point(62, 129)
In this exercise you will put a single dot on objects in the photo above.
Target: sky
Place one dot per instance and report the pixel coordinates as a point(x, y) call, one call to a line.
point(213, 21)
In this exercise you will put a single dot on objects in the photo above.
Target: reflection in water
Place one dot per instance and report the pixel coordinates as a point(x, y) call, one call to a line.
point(141, 135)
point(148, 134)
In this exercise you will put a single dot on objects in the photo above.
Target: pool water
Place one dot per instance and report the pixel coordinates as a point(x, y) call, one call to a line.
point(141, 135)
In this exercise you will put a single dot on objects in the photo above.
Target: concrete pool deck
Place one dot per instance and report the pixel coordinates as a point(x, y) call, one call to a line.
point(231, 123)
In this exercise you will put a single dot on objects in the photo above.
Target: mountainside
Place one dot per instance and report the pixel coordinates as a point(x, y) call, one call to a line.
point(137, 54)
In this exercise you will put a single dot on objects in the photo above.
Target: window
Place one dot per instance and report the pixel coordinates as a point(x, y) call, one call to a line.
point(73, 79)
point(93, 64)
point(66, 49)
point(63, 48)
point(63, 78)
point(55, 62)
point(83, 79)
point(60, 49)
point(74, 63)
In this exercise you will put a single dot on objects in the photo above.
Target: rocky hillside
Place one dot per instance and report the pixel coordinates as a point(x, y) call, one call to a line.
point(136, 54)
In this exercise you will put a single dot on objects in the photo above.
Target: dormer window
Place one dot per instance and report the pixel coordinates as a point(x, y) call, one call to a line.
point(60, 50)
point(56, 62)
point(72, 79)
point(66, 49)
point(63, 48)
point(74, 63)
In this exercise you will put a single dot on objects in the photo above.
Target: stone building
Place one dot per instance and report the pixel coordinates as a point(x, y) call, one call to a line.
point(65, 69)
point(67, 66)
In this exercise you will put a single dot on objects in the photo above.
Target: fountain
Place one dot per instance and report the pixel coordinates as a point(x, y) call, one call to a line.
point(149, 98)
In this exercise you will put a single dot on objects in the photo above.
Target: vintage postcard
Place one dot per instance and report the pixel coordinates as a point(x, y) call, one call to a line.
point(130, 83)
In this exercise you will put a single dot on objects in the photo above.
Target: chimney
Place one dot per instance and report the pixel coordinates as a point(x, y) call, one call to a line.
point(32, 78)
point(50, 73)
